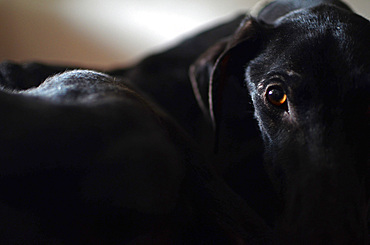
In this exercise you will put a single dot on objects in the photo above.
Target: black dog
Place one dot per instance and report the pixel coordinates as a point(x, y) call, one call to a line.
point(93, 158)
point(306, 65)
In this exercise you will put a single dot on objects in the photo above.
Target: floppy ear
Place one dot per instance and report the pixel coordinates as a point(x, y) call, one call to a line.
point(200, 73)
point(221, 64)
point(229, 69)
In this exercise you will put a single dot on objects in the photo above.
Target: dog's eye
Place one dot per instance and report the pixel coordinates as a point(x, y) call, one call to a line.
point(276, 95)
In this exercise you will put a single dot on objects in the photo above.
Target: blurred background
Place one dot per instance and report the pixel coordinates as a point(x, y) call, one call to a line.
point(109, 33)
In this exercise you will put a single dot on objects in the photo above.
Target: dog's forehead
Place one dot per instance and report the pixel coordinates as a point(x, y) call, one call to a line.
point(322, 43)
point(327, 28)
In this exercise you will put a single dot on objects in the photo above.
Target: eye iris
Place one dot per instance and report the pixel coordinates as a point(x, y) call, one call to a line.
point(276, 96)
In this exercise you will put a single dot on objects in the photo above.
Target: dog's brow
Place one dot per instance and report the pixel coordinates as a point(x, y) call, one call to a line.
point(292, 73)
point(282, 73)
point(261, 84)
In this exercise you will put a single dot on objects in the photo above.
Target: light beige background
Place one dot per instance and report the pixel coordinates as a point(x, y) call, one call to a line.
point(108, 33)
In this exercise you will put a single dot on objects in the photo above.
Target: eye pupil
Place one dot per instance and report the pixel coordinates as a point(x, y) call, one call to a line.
point(276, 96)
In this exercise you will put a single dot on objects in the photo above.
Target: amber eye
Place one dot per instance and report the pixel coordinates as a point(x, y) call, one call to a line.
point(276, 95)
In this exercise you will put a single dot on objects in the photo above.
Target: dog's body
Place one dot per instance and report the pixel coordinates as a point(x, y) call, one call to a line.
point(58, 183)
point(70, 139)
point(85, 159)
point(88, 157)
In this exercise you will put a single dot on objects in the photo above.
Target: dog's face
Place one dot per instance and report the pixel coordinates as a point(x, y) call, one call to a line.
point(310, 90)
point(308, 75)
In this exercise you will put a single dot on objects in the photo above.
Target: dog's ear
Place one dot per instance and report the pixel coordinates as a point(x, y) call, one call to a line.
point(222, 65)
point(229, 69)
point(200, 73)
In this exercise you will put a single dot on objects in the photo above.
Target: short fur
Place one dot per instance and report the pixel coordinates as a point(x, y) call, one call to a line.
point(131, 156)
point(316, 142)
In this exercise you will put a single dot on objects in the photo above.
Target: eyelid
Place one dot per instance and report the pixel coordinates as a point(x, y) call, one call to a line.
point(271, 82)
point(281, 78)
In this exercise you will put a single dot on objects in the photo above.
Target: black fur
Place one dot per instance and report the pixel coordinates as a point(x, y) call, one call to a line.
point(92, 158)
point(131, 156)
point(316, 142)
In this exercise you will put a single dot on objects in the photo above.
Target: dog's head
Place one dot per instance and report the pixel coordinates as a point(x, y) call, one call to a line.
point(307, 71)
